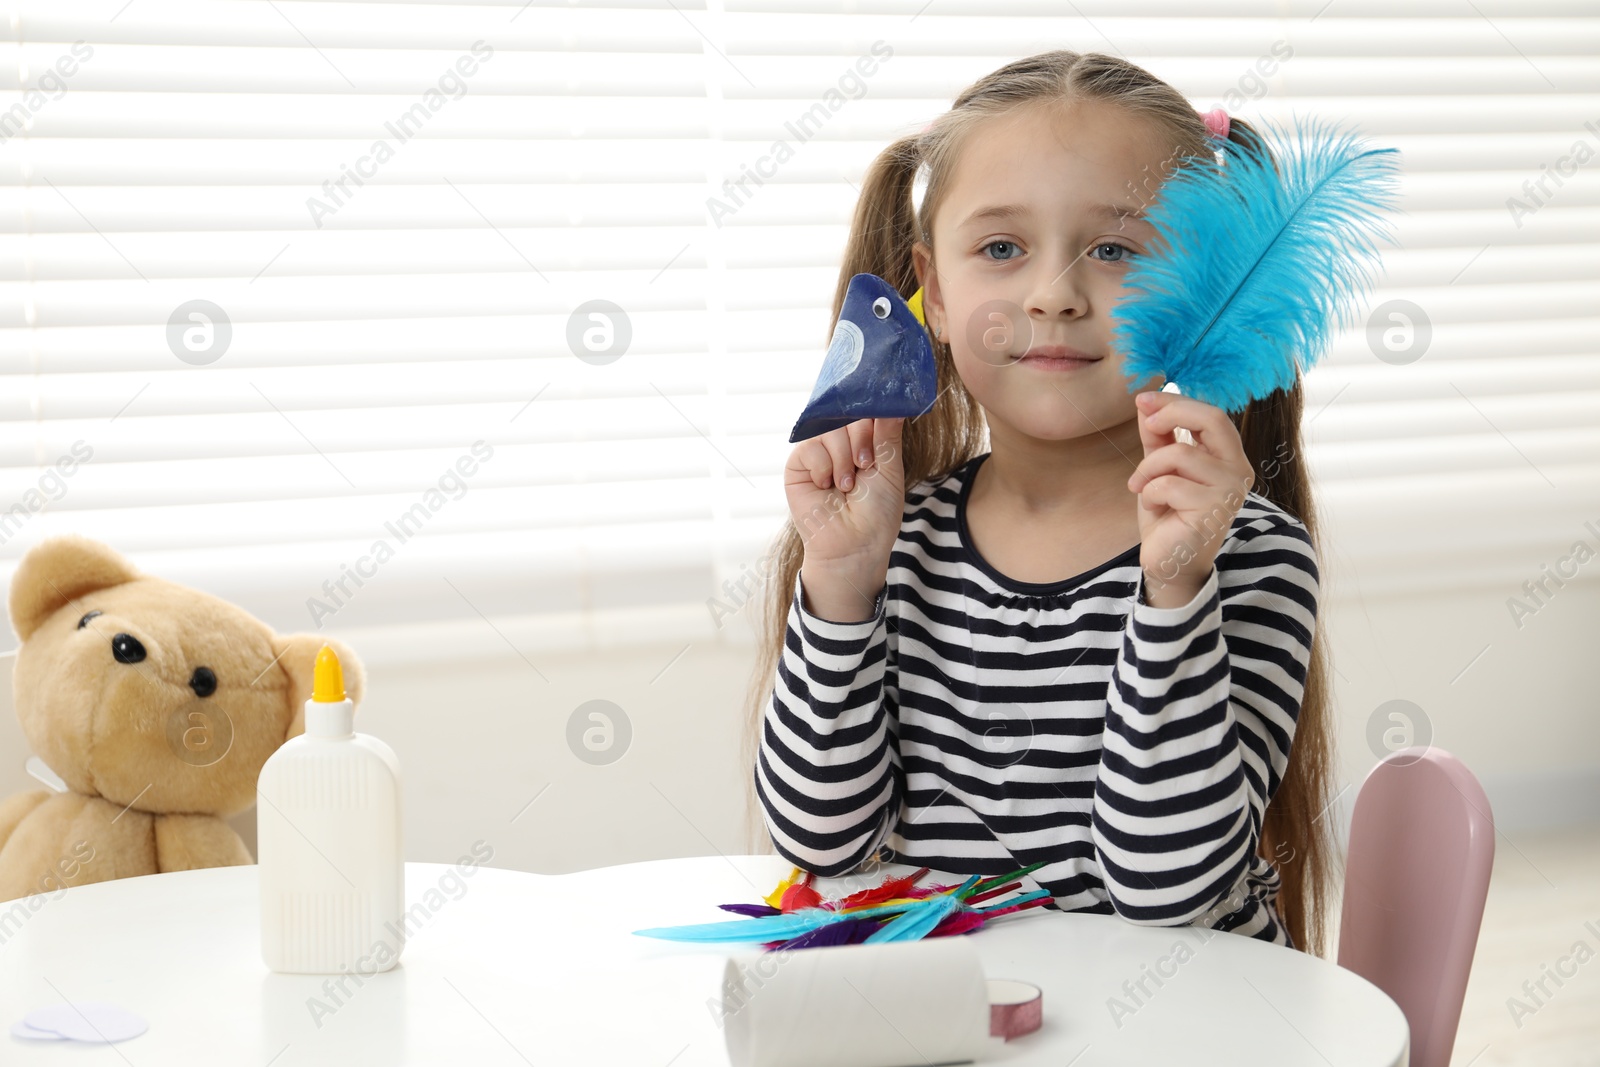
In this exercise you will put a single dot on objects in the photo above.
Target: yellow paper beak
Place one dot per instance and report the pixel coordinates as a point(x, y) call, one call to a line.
point(915, 304)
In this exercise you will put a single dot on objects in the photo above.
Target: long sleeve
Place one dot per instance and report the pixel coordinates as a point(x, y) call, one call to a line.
point(1200, 716)
point(828, 771)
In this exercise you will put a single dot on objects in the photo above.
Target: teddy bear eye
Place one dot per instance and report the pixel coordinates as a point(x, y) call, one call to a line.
point(85, 620)
point(203, 681)
point(125, 648)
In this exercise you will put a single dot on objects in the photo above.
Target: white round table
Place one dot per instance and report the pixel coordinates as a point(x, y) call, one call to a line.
point(504, 967)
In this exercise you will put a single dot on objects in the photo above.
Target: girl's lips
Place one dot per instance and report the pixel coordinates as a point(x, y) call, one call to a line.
point(1056, 363)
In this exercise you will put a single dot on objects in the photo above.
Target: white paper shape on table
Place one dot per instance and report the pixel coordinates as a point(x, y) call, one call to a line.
point(854, 1005)
point(94, 1021)
point(23, 1030)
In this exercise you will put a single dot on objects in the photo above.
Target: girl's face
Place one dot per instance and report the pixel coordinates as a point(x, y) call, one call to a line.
point(1033, 245)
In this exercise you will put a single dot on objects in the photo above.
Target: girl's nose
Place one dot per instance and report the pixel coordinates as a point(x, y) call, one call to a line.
point(1059, 291)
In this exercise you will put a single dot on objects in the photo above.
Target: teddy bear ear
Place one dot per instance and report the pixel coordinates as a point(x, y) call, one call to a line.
point(57, 571)
point(297, 655)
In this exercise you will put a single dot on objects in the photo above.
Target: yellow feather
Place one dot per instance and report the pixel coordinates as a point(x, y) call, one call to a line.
point(775, 898)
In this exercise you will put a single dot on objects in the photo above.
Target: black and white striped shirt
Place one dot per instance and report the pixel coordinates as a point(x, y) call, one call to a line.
point(977, 724)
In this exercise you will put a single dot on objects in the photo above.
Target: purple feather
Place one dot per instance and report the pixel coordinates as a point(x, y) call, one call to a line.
point(843, 932)
point(752, 911)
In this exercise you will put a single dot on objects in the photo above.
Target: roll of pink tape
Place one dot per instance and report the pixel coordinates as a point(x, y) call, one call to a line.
point(1015, 1008)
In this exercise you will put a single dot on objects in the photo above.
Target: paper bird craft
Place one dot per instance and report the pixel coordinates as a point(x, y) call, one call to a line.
point(879, 362)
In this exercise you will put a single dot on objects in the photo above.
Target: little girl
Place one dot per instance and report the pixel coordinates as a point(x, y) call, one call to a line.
point(1092, 645)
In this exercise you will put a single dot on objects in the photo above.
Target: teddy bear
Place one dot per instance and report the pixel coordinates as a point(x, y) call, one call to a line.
point(156, 703)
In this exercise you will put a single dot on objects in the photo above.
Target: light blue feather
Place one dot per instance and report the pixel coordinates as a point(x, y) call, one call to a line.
point(917, 921)
point(1258, 268)
point(766, 928)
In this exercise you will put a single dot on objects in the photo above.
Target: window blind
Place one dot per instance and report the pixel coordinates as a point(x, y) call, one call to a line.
point(465, 325)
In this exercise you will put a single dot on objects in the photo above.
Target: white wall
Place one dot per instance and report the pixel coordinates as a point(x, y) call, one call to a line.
point(481, 739)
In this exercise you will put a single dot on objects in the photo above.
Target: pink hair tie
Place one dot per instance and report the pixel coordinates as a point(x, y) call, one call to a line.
point(1216, 121)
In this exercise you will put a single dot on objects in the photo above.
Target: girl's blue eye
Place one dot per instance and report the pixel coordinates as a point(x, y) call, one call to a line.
point(1114, 244)
point(1126, 251)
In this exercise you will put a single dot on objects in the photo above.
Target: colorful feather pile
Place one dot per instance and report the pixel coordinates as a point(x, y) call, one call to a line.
point(795, 915)
point(1259, 264)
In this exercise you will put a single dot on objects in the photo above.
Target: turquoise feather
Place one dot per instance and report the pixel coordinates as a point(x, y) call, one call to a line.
point(769, 928)
point(917, 920)
point(1257, 268)
point(1002, 905)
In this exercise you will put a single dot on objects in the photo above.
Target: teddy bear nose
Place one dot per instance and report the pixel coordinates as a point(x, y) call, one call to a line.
point(203, 682)
point(127, 649)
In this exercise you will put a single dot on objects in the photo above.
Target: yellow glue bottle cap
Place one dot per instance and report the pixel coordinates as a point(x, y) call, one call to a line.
point(329, 713)
point(327, 677)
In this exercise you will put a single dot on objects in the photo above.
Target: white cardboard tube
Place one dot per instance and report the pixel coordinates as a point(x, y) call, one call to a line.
point(894, 1004)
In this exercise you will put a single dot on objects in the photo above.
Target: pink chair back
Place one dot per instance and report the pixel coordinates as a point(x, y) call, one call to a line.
point(1416, 877)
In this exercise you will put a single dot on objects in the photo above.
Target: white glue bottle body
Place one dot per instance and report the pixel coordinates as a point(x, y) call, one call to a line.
point(328, 839)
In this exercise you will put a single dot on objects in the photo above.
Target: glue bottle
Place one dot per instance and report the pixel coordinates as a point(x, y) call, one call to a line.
point(328, 837)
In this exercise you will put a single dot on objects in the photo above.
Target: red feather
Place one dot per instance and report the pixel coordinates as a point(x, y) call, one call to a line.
point(892, 889)
point(960, 923)
point(1037, 902)
point(801, 895)
point(987, 894)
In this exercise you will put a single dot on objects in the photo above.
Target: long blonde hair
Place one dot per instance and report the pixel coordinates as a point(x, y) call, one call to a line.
point(886, 224)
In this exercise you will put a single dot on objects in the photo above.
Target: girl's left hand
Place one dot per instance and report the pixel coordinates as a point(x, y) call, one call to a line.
point(1188, 494)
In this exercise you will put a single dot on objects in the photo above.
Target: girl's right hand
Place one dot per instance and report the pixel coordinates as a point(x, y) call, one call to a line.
point(846, 491)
